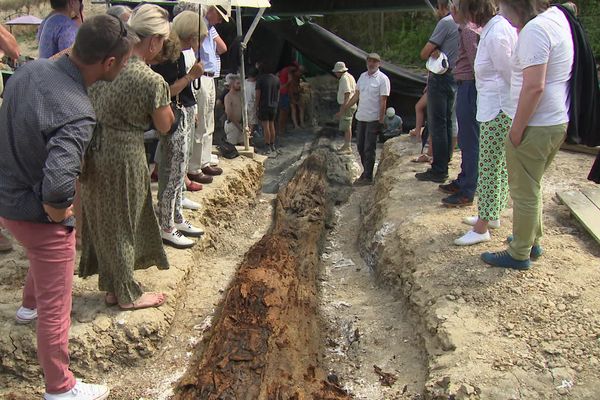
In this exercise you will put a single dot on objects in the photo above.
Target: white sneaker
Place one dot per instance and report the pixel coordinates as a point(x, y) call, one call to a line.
point(189, 204)
point(188, 229)
point(472, 237)
point(214, 159)
point(82, 391)
point(494, 223)
point(176, 239)
point(25, 315)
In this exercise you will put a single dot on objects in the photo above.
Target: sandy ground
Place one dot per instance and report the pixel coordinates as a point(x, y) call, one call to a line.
point(101, 338)
point(489, 333)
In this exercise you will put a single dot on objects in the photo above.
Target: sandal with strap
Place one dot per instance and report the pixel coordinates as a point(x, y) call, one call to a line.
point(159, 300)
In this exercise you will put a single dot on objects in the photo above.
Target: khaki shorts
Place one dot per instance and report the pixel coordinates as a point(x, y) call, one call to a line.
point(346, 119)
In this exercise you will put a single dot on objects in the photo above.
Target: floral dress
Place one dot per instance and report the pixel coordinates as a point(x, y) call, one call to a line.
point(121, 232)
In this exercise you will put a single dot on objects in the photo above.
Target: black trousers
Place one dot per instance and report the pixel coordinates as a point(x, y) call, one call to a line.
point(366, 141)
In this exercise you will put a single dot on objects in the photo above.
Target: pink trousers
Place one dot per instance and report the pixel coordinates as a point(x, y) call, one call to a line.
point(48, 288)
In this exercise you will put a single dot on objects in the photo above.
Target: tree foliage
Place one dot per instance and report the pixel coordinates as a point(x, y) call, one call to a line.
point(15, 5)
point(399, 36)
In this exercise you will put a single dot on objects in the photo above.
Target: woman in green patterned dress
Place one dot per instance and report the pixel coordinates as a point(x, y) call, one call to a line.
point(121, 233)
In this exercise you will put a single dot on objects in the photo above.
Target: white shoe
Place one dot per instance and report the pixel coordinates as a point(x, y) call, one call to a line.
point(189, 204)
point(214, 159)
point(472, 237)
point(82, 391)
point(176, 239)
point(188, 229)
point(494, 223)
point(25, 315)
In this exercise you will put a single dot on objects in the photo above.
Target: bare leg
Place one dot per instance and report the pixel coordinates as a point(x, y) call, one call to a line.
point(481, 226)
point(294, 109)
point(283, 117)
point(302, 108)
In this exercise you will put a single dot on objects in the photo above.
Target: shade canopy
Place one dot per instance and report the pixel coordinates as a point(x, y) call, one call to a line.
point(232, 3)
point(24, 20)
point(316, 7)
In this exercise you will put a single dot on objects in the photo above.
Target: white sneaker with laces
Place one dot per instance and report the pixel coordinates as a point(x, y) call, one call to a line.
point(214, 159)
point(189, 204)
point(186, 228)
point(81, 391)
point(494, 223)
point(472, 237)
point(25, 315)
point(176, 239)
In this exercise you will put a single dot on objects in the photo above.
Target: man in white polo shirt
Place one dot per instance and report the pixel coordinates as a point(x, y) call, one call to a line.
point(372, 91)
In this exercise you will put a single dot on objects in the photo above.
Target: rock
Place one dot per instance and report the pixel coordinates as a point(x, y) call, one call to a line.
point(102, 323)
point(550, 348)
point(561, 307)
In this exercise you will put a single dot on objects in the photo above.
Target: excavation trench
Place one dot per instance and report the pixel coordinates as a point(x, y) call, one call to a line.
point(266, 341)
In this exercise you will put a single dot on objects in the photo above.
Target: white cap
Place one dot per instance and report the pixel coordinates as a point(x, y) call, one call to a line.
point(340, 66)
point(390, 112)
point(438, 65)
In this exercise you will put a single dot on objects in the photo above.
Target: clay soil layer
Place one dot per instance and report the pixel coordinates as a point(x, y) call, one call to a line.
point(266, 341)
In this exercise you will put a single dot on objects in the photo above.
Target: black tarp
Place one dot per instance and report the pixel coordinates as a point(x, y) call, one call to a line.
point(312, 7)
point(274, 39)
point(324, 49)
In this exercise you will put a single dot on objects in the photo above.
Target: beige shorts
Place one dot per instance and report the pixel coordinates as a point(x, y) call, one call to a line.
point(346, 119)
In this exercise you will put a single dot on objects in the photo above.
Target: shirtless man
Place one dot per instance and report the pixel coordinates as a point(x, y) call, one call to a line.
point(233, 110)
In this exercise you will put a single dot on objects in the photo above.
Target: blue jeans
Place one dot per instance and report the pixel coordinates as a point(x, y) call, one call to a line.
point(468, 137)
point(441, 92)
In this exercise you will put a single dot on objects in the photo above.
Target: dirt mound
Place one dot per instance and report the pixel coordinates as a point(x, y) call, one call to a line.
point(266, 342)
point(489, 333)
point(102, 337)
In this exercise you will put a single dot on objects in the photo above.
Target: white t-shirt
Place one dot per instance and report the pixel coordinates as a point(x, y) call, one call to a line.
point(493, 67)
point(347, 84)
point(546, 39)
point(371, 88)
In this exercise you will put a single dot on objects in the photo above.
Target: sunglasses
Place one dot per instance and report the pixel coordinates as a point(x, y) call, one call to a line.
point(122, 35)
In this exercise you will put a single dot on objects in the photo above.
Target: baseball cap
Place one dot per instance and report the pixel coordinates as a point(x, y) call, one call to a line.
point(438, 65)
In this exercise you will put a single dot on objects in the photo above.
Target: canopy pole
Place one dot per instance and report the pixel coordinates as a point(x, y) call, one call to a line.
point(238, 17)
point(250, 32)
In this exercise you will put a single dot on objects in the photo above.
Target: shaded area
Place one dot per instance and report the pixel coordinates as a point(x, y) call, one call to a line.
point(266, 341)
point(324, 49)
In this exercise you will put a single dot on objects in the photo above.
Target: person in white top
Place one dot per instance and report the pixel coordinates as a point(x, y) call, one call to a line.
point(539, 106)
point(346, 89)
point(492, 78)
point(372, 91)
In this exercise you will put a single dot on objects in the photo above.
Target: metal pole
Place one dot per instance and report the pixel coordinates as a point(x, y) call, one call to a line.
point(261, 11)
point(238, 18)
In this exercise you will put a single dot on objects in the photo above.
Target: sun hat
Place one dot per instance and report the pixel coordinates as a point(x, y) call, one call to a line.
point(373, 56)
point(340, 66)
point(221, 10)
point(437, 65)
point(390, 112)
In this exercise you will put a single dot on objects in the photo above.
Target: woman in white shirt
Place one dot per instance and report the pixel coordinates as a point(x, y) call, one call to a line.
point(492, 77)
point(539, 106)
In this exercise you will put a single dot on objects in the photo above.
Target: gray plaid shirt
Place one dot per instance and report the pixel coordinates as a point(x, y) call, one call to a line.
point(46, 123)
